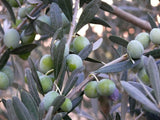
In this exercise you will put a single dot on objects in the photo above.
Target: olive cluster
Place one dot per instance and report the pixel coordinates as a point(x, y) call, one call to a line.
point(135, 50)
point(104, 87)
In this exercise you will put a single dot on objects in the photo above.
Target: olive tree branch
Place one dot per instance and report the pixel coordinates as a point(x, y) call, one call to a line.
point(131, 18)
point(73, 24)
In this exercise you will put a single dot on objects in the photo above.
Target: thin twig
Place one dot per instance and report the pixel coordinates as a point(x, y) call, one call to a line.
point(31, 13)
point(73, 24)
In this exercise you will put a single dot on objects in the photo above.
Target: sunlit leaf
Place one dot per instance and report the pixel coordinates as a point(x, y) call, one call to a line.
point(97, 44)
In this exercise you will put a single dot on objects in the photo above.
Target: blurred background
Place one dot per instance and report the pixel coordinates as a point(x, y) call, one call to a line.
point(89, 108)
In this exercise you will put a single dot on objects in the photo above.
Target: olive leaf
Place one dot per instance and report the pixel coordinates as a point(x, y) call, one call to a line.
point(20, 109)
point(30, 104)
point(4, 58)
point(106, 7)
point(140, 97)
point(97, 44)
point(152, 21)
point(119, 41)
point(10, 10)
point(118, 67)
point(88, 13)
point(154, 53)
point(97, 20)
point(23, 49)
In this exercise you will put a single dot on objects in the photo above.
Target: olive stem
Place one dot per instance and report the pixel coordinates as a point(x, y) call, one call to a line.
point(94, 76)
point(73, 24)
point(31, 13)
point(57, 88)
point(148, 93)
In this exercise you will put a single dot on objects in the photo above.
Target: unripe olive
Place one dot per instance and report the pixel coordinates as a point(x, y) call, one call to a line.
point(67, 105)
point(49, 98)
point(18, 21)
point(22, 12)
point(46, 83)
point(14, 3)
point(79, 43)
point(66, 50)
point(91, 89)
point(139, 66)
point(143, 37)
point(44, 18)
point(155, 35)
point(106, 87)
point(46, 63)
point(4, 81)
point(9, 72)
point(11, 38)
point(143, 76)
point(52, 77)
point(74, 62)
point(27, 38)
point(135, 49)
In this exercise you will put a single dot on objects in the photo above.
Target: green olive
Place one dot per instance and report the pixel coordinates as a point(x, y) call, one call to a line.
point(9, 72)
point(46, 63)
point(46, 83)
point(155, 35)
point(135, 49)
point(143, 37)
point(91, 89)
point(74, 62)
point(80, 43)
point(4, 81)
point(67, 105)
point(49, 99)
point(11, 38)
point(105, 87)
point(27, 38)
point(143, 76)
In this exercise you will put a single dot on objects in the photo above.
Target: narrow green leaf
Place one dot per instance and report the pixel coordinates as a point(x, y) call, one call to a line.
point(4, 58)
point(20, 109)
point(86, 51)
point(10, 110)
point(88, 14)
point(106, 7)
point(30, 104)
point(117, 67)
point(35, 75)
point(29, 29)
point(49, 114)
point(93, 60)
point(66, 117)
point(119, 41)
point(97, 44)
point(118, 117)
point(151, 21)
point(66, 6)
point(61, 74)
point(23, 49)
point(154, 53)
point(140, 87)
point(76, 101)
point(59, 116)
point(41, 111)
point(140, 97)
point(100, 21)
point(154, 76)
point(72, 80)
point(58, 56)
point(10, 10)
point(48, 30)
point(32, 86)
point(55, 14)
point(57, 103)
point(124, 101)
